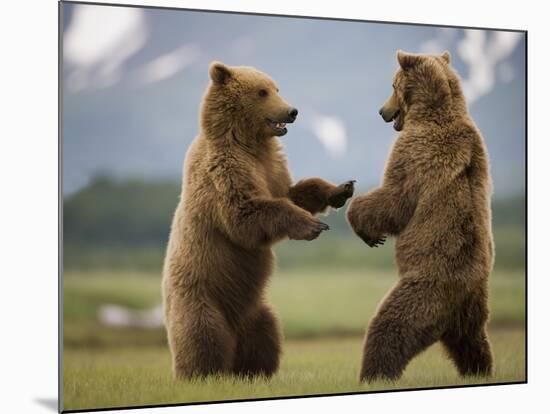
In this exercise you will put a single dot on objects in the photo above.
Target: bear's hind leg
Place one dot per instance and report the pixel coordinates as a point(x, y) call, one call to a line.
point(467, 343)
point(259, 345)
point(201, 342)
point(405, 325)
point(471, 353)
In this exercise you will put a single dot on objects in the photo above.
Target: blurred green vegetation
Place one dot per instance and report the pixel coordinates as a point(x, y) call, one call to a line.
point(124, 224)
point(115, 233)
point(310, 303)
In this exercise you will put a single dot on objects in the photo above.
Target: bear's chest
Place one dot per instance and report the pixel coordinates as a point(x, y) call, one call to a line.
point(273, 177)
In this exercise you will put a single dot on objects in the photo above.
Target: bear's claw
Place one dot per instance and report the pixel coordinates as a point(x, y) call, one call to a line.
point(372, 242)
point(317, 231)
point(309, 230)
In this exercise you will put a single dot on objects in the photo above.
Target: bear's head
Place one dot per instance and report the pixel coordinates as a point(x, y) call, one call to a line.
point(425, 87)
point(245, 101)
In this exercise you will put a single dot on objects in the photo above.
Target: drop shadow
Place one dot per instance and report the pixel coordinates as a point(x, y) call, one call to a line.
point(49, 403)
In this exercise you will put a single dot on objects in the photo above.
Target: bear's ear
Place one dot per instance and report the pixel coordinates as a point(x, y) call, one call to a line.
point(446, 56)
point(219, 73)
point(407, 60)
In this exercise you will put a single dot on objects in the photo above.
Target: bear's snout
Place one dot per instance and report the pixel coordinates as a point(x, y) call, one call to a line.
point(388, 114)
point(293, 113)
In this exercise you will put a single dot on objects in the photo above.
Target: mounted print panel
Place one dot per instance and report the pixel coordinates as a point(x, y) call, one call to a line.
point(261, 206)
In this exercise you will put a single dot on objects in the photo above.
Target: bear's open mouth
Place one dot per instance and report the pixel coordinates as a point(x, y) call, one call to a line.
point(393, 114)
point(396, 118)
point(278, 127)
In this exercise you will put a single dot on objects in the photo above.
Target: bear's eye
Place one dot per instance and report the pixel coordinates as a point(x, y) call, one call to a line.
point(262, 93)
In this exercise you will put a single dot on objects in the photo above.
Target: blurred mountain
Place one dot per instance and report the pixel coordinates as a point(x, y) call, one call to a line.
point(132, 109)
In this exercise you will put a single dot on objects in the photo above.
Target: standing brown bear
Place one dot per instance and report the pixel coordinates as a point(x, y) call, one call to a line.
point(237, 200)
point(435, 198)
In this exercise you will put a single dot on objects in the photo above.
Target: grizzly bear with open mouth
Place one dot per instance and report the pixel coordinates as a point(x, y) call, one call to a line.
point(237, 200)
point(435, 199)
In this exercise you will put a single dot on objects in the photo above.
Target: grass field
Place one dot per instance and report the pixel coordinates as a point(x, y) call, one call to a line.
point(324, 315)
point(125, 376)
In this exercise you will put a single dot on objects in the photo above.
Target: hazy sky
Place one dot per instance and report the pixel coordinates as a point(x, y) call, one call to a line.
point(133, 80)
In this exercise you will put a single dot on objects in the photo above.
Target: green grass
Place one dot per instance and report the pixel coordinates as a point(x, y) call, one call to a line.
point(129, 376)
point(324, 314)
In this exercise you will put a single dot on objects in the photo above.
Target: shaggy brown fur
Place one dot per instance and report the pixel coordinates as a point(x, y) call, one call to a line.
point(237, 200)
point(435, 198)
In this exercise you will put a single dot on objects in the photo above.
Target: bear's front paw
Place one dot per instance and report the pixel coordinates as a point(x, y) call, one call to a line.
point(340, 194)
point(307, 229)
point(358, 221)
